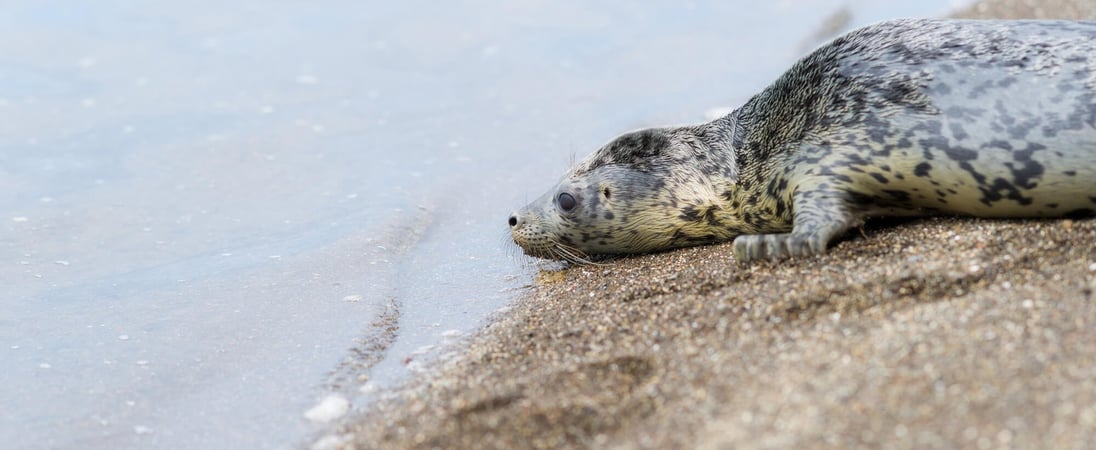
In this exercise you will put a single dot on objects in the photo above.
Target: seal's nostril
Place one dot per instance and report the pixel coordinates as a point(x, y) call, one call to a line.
point(513, 221)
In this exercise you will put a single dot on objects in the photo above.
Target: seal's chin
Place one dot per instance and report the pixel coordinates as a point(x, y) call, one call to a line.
point(536, 252)
point(557, 251)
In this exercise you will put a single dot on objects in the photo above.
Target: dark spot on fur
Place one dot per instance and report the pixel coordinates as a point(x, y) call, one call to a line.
point(957, 131)
point(898, 195)
point(922, 169)
point(842, 178)
point(960, 154)
point(861, 199)
point(690, 214)
point(709, 217)
point(1025, 170)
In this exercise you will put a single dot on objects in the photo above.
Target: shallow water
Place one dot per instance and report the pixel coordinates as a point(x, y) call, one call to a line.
point(213, 214)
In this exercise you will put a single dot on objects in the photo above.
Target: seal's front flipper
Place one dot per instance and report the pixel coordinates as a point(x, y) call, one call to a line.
point(751, 247)
point(821, 214)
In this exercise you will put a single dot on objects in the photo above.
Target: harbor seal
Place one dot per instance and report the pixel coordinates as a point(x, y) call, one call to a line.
point(906, 117)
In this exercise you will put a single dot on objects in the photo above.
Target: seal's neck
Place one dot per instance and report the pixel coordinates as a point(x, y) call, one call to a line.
point(731, 130)
point(723, 137)
point(717, 134)
point(741, 125)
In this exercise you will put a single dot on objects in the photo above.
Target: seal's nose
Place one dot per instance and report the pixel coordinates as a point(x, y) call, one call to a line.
point(514, 221)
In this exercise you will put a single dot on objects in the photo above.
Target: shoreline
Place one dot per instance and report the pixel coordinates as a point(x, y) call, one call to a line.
point(941, 332)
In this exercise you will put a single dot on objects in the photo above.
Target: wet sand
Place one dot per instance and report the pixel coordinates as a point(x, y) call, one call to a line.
point(935, 333)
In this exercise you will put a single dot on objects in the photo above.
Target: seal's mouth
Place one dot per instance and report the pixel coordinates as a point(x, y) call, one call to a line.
point(558, 251)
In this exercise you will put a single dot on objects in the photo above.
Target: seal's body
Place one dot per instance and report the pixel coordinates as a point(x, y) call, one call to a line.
point(902, 118)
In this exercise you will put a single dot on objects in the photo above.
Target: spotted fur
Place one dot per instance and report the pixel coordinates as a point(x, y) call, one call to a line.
point(905, 117)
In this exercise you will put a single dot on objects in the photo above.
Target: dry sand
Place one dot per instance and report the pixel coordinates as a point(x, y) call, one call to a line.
point(936, 333)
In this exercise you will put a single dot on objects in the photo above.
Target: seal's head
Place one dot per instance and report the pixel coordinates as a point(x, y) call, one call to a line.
point(645, 191)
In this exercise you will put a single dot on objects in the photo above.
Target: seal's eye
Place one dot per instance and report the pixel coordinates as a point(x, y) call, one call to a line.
point(566, 202)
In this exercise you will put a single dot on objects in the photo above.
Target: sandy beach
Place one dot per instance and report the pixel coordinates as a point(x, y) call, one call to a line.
point(933, 333)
